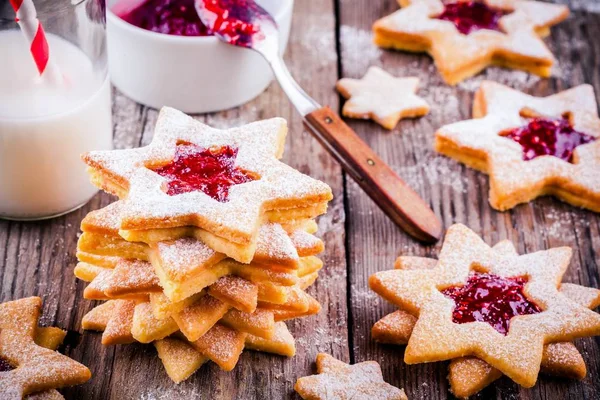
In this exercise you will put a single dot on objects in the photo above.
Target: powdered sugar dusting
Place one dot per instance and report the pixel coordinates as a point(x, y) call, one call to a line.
point(454, 52)
point(259, 144)
point(336, 380)
point(358, 50)
point(382, 97)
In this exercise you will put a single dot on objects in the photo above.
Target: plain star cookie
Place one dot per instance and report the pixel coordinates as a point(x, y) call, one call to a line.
point(465, 37)
point(226, 182)
point(27, 367)
point(530, 146)
point(382, 97)
point(517, 311)
point(336, 380)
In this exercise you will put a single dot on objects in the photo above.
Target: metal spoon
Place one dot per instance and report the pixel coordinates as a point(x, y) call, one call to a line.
point(244, 23)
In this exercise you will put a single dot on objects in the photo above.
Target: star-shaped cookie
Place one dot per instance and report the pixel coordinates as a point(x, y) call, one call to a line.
point(382, 97)
point(465, 37)
point(336, 380)
point(451, 323)
point(469, 375)
point(34, 368)
point(223, 181)
point(510, 131)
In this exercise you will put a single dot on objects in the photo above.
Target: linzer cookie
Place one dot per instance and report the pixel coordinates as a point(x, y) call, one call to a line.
point(27, 367)
point(469, 375)
point(224, 182)
point(521, 321)
point(530, 146)
point(382, 97)
point(338, 380)
point(465, 37)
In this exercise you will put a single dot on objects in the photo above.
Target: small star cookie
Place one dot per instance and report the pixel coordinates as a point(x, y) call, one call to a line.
point(382, 97)
point(464, 37)
point(26, 367)
point(530, 146)
point(336, 380)
point(518, 309)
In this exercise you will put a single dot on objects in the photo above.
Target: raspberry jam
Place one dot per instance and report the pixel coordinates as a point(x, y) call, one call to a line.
point(211, 171)
point(172, 17)
point(492, 299)
point(234, 20)
point(5, 366)
point(546, 137)
point(237, 21)
point(471, 16)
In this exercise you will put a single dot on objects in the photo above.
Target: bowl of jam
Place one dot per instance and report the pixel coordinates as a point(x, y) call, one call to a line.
point(161, 54)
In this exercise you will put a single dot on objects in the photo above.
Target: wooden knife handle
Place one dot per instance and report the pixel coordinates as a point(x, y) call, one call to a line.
point(375, 177)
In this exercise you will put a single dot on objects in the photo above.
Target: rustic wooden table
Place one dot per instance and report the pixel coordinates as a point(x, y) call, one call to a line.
point(332, 39)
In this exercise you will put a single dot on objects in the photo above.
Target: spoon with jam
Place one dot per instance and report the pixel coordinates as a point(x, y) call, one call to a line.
point(244, 23)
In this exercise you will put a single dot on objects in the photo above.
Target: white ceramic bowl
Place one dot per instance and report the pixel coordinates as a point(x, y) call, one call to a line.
point(192, 74)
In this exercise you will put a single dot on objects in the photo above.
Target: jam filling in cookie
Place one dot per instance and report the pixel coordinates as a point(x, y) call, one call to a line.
point(172, 17)
point(5, 366)
point(211, 171)
point(471, 16)
point(542, 137)
point(492, 299)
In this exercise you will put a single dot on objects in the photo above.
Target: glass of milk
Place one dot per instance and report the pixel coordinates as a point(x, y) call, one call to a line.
point(45, 127)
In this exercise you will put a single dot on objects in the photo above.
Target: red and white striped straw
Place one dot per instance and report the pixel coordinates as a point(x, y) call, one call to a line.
point(36, 37)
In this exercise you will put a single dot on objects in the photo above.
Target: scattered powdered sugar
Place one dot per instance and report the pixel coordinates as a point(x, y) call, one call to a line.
point(581, 5)
point(275, 244)
point(184, 257)
point(358, 50)
point(127, 112)
point(231, 118)
point(319, 43)
point(321, 339)
point(433, 171)
point(518, 80)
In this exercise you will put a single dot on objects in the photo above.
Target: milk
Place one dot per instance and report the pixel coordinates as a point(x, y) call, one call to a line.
point(45, 128)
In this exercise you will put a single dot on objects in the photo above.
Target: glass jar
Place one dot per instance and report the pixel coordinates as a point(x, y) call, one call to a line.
point(47, 121)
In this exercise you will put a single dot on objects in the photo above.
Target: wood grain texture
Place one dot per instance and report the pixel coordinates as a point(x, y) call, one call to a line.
point(331, 39)
point(458, 194)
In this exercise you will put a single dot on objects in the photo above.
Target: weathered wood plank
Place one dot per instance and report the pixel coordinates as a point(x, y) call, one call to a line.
point(458, 194)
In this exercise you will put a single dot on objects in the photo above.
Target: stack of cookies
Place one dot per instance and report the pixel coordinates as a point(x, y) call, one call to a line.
point(210, 247)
